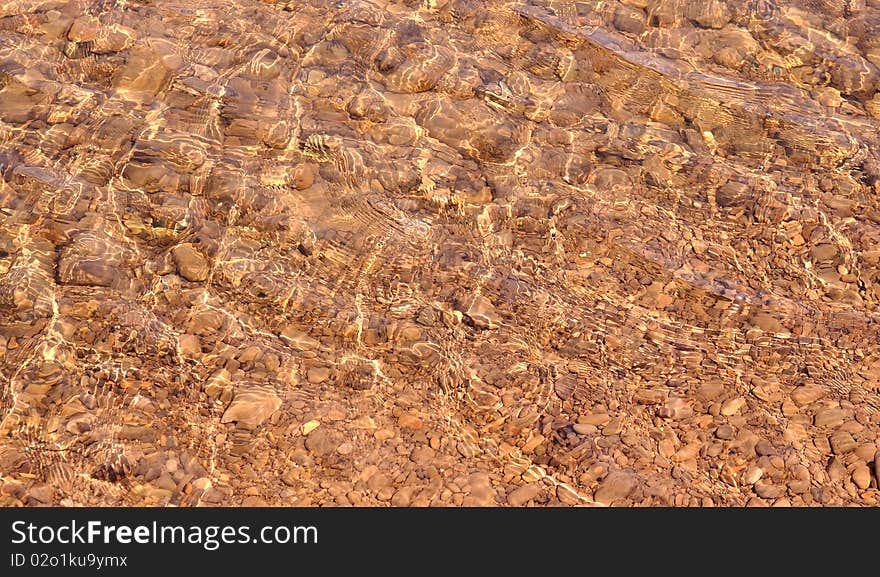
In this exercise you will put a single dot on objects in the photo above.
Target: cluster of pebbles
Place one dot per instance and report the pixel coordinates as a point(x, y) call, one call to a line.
point(439, 252)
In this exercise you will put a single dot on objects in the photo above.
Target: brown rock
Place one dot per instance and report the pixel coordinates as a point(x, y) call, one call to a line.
point(114, 39)
point(276, 135)
point(584, 429)
point(836, 470)
point(765, 448)
point(873, 105)
point(45, 494)
point(522, 495)
point(617, 486)
point(322, 442)
point(768, 323)
point(318, 375)
point(710, 391)
point(877, 467)
point(402, 497)
point(252, 407)
point(861, 476)
point(479, 491)
point(481, 313)
point(567, 495)
point(384, 434)
point(378, 481)
point(192, 264)
point(91, 260)
point(189, 345)
point(628, 19)
point(842, 442)
point(422, 454)
point(303, 176)
point(84, 29)
point(865, 452)
point(830, 417)
point(147, 69)
point(807, 394)
point(709, 14)
point(410, 421)
point(614, 427)
point(254, 501)
point(752, 475)
point(298, 340)
point(595, 419)
point(250, 354)
point(732, 406)
point(768, 490)
point(687, 452)
point(725, 432)
point(823, 252)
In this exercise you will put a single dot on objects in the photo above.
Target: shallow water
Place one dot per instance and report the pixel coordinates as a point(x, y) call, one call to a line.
point(439, 253)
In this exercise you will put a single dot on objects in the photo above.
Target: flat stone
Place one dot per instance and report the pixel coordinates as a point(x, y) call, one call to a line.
point(43, 493)
point(768, 490)
point(595, 419)
point(384, 434)
point(378, 481)
point(836, 470)
point(422, 454)
point(732, 406)
point(190, 346)
point(92, 260)
point(807, 394)
point(584, 428)
point(402, 497)
point(191, 263)
point(725, 432)
point(114, 38)
point(322, 442)
point(250, 354)
point(318, 375)
point(479, 491)
point(865, 452)
point(823, 252)
point(522, 495)
point(798, 487)
point(618, 485)
point(752, 475)
point(410, 421)
point(830, 417)
point(765, 448)
point(710, 391)
point(84, 29)
point(688, 452)
point(147, 69)
point(252, 407)
point(842, 442)
point(298, 340)
point(768, 323)
point(303, 176)
point(201, 484)
point(481, 313)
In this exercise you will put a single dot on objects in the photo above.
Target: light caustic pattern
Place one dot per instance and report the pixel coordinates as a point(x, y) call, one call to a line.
point(440, 252)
